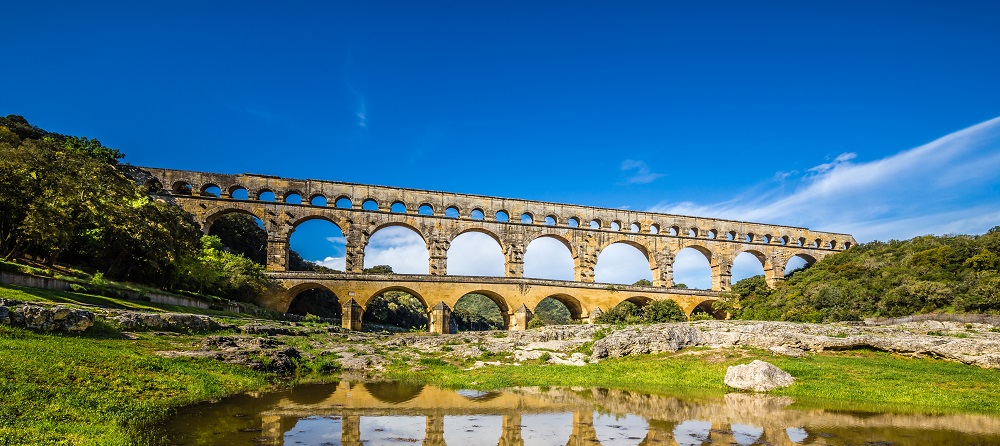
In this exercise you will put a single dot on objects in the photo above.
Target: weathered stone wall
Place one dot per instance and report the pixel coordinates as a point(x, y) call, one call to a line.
point(440, 217)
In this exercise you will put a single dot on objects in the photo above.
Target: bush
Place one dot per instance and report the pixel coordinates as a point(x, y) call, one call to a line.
point(536, 322)
point(663, 311)
point(77, 288)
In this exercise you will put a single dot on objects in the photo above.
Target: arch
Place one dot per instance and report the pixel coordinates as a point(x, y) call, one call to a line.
point(635, 227)
point(547, 260)
point(731, 235)
point(502, 216)
point(344, 202)
point(693, 267)
point(707, 307)
point(319, 242)
point(399, 245)
point(153, 186)
point(393, 392)
point(712, 234)
point(498, 300)
point(749, 238)
point(222, 212)
point(748, 263)
point(425, 209)
point(238, 192)
point(210, 189)
point(767, 238)
point(654, 228)
point(847, 245)
point(573, 222)
point(816, 243)
point(527, 218)
point(398, 207)
point(616, 225)
point(452, 212)
point(369, 205)
point(674, 231)
point(571, 303)
point(833, 244)
point(317, 200)
point(477, 214)
point(640, 301)
point(292, 197)
point(314, 299)
point(476, 252)
point(550, 220)
point(798, 262)
point(801, 241)
point(623, 262)
point(595, 224)
point(404, 314)
point(266, 195)
point(241, 232)
point(783, 240)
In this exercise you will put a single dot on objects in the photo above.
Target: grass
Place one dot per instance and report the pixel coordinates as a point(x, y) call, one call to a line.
point(27, 294)
point(78, 390)
point(856, 380)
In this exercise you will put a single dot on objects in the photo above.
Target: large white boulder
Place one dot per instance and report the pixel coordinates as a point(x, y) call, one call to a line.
point(758, 376)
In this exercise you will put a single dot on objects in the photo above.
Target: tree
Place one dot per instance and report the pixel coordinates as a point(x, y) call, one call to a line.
point(643, 282)
point(663, 311)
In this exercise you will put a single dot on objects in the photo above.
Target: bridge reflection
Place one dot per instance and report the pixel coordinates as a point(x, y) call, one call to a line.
point(352, 414)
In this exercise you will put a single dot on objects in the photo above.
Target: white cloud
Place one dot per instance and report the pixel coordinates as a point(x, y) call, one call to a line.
point(621, 263)
point(947, 185)
point(475, 254)
point(548, 258)
point(400, 248)
point(337, 263)
point(692, 269)
point(640, 173)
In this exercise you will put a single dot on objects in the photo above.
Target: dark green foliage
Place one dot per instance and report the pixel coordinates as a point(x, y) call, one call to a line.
point(317, 301)
point(475, 312)
point(378, 269)
point(297, 263)
point(643, 282)
point(552, 312)
point(217, 271)
point(653, 313)
point(955, 273)
point(241, 234)
point(396, 308)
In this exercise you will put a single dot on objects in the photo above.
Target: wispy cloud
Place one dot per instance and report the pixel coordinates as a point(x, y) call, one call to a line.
point(638, 172)
point(947, 185)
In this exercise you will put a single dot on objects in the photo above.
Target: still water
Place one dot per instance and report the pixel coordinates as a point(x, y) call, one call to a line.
point(370, 414)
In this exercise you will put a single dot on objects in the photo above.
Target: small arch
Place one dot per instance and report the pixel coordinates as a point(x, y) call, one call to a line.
point(674, 231)
point(712, 234)
point(815, 243)
point(398, 207)
point(550, 221)
point(798, 262)
point(801, 241)
point(654, 229)
point(153, 186)
point(635, 227)
point(502, 216)
point(595, 224)
point(481, 310)
point(767, 238)
point(847, 245)
point(181, 188)
point(211, 190)
point(693, 232)
point(526, 218)
point(369, 205)
point(425, 209)
point(344, 202)
point(293, 198)
point(239, 193)
point(266, 195)
point(573, 222)
point(477, 214)
point(833, 244)
point(316, 300)
point(783, 240)
point(452, 212)
point(317, 200)
point(749, 238)
point(616, 225)
point(731, 235)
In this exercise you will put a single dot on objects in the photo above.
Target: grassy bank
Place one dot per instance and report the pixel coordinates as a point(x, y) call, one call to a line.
point(854, 380)
point(102, 389)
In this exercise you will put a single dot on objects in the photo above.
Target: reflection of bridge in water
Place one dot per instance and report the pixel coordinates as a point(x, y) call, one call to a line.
point(433, 417)
point(359, 211)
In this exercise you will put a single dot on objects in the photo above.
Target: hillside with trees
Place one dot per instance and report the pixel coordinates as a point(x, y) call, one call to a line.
point(953, 273)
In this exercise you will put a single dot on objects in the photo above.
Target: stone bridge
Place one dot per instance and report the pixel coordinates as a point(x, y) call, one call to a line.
point(360, 210)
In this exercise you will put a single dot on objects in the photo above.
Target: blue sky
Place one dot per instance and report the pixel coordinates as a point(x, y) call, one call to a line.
point(874, 118)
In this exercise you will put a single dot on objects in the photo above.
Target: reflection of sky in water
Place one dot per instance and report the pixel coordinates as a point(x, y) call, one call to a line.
point(745, 434)
point(546, 429)
point(616, 430)
point(472, 394)
point(473, 430)
point(315, 431)
point(377, 431)
point(796, 434)
point(691, 432)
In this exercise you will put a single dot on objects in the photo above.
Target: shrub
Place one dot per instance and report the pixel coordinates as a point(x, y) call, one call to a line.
point(77, 288)
point(536, 322)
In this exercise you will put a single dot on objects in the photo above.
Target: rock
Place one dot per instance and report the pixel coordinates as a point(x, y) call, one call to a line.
point(363, 363)
point(56, 318)
point(131, 321)
point(645, 340)
point(269, 330)
point(4, 315)
point(785, 350)
point(758, 376)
